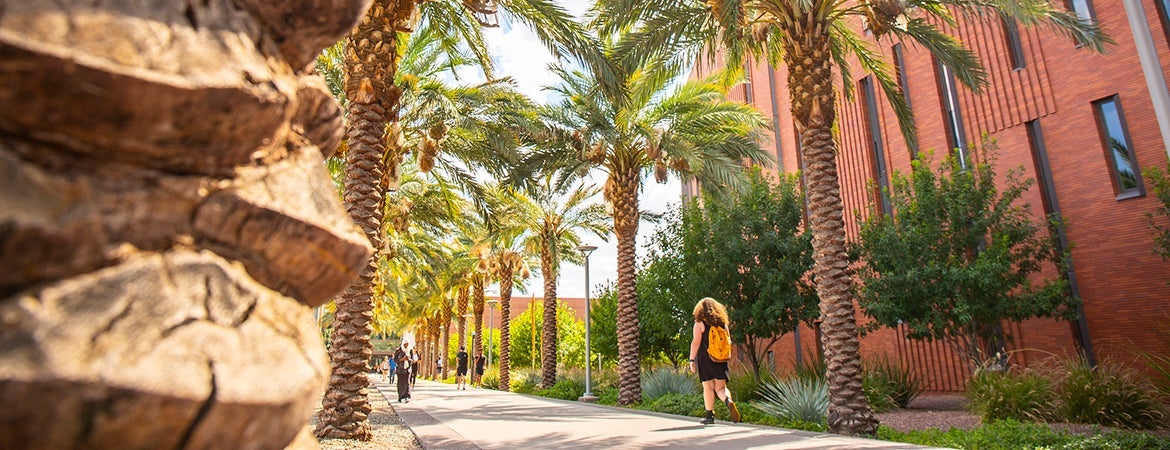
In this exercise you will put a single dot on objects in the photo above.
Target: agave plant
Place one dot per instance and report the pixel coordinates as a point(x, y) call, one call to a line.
point(665, 380)
point(796, 399)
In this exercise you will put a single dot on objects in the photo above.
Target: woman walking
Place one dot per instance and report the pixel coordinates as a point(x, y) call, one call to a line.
point(713, 374)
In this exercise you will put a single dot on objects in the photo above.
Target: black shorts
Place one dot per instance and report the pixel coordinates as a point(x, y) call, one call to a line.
point(461, 372)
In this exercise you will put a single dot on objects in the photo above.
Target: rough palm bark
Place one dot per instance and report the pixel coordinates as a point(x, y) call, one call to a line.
point(505, 332)
point(165, 211)
point(436, 349)
point(445, 325)
point(809, 58)
point(369, 85)
point(345, 409)
point(421, 343)
point(477, 305)
point(621, 189)
point(548, 335)
point(460, 312)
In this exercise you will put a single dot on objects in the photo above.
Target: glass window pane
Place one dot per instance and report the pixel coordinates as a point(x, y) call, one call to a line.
point(1081, 7)
point(1118, 146)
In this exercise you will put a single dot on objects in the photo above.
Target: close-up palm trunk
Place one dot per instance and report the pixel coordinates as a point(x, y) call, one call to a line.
point(157, 276)
point(810, 82)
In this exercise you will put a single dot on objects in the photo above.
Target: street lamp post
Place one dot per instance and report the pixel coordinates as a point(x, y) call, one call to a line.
point(491, 307)
point(588, 396)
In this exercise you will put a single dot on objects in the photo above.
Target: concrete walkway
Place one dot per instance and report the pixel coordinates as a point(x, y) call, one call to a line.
point(444, 418)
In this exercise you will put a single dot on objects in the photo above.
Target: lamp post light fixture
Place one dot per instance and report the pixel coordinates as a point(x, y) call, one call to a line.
point(491, 307)
point(588, 396)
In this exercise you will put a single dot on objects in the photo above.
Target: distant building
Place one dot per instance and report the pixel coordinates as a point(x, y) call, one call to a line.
point(1082, 124)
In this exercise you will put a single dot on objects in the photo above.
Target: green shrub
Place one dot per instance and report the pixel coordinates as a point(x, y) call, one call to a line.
point(606, 395)
point(607, 377)
point(1005, 434)
point(1158, 362)
point(490, 380)
point(1023, 396)
point(523, 381)
point(565, 389)
point(1159, 365)
point(1109, 395)
point(811, 367)
point(889, 385)
point(675, 403)
point(1011, 435)
point(795, 399)
point(665, 380)
point(745, 385)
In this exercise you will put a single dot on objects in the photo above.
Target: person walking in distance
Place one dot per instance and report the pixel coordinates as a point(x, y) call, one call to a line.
point(477, 381)
point(461, 369)
point(402, 358)
point(414, 367)
point(710, 351)
point(384, 369)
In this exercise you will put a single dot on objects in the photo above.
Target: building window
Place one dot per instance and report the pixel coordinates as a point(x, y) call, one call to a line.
point(949, 95)
point(904, 84)
point(875, 144)
point(900, 69)
point(747, 84)
point(1011, 32)
point(1164, 13)
point(1083, 8)
point(1119, 153)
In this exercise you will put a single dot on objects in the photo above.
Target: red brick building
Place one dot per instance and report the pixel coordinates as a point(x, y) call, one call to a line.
point(1052, 107)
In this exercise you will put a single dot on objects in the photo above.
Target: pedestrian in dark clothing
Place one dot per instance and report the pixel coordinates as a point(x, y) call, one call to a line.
point(479, 362)
point(402, 358)
point(461, 369)
point(414, 367)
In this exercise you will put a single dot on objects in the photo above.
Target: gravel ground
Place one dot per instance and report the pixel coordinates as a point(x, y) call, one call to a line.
point(389, 431)
point(941, 411)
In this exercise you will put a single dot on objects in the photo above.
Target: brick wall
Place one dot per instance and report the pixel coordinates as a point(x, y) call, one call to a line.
point(1123, 285)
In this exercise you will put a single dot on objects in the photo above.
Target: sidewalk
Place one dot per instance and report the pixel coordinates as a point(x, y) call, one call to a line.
point(444, 418)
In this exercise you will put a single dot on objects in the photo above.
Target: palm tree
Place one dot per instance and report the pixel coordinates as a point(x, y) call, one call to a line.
point(373, 102)
point(692, 131)
point(553, 214)
point(812, 37)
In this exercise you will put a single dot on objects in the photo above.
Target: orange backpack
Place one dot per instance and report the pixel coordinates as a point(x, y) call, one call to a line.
point(718, 344)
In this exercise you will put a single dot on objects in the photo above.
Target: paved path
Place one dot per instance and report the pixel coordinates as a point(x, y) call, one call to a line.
point(444, 418)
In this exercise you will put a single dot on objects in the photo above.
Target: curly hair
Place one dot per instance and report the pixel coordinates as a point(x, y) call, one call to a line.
point(711, 312)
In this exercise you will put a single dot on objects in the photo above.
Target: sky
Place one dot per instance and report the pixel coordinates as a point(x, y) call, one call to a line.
point(519, 54)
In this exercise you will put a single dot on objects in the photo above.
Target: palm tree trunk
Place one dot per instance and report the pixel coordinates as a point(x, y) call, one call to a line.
point(436, 349)
point(477, 309)
point(622, 191)
point(505, 332)
point(446, 339)
point(548, 349)
point(810, 82)
point(345, 408)
point(460, 311)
